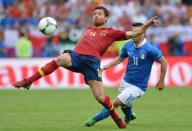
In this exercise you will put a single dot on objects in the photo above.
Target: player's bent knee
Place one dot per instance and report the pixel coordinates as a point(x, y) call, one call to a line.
point(117, 102)
point(64, 60)
point(100, 98)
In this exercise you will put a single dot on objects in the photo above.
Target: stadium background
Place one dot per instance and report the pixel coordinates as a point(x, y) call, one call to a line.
point(23, 48)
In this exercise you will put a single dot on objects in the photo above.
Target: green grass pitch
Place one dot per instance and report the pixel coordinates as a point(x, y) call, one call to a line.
point(66, 110)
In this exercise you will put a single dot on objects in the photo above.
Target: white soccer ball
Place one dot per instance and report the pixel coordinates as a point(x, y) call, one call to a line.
point(47, 25)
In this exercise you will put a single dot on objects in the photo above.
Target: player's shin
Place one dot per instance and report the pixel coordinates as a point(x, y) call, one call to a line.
point(127, 111)
point(107, 104)
point(43, 71)
point(104, 113)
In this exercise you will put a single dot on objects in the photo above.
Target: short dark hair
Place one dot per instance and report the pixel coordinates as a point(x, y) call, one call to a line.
point(137, 24)
point(106, 12)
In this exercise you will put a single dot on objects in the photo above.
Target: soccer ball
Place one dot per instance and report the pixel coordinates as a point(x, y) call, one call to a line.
point(47, 25)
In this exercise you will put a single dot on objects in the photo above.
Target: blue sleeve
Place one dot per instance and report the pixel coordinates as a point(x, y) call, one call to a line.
point(123, 53)
point(156, 53)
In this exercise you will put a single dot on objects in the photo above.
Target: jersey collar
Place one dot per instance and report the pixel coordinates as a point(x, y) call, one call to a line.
point(142, 43)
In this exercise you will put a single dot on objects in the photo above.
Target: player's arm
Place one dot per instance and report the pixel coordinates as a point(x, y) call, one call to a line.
point(143, 28)
point(114, 62)
point(161, 84)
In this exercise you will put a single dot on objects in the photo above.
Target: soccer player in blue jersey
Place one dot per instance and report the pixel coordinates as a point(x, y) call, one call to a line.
point(141, 55)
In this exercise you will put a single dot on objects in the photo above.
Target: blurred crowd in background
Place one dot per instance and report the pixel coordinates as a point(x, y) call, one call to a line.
point(20, 36)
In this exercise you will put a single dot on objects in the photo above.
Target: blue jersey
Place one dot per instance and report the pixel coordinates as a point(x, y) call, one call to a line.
point(140, 62)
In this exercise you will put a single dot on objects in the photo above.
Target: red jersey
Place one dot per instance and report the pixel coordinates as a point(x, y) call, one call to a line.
point(95, 41)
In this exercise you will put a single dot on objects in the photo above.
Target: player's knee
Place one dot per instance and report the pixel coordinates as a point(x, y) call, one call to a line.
point(59, 60)
point(116, 102)
point(100, 98)
point(64, 60)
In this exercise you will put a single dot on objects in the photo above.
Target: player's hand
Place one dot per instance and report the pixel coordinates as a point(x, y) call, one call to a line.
point(155, 20)
point(160, 85)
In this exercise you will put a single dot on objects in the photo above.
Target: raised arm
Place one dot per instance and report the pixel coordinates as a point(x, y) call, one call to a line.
point(161, 84)
point(114, 62)
point(143, 28)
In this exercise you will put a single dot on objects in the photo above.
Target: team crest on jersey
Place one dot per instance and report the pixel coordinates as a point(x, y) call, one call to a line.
point(143, 56)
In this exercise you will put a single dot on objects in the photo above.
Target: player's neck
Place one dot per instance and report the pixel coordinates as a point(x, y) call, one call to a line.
point(137, 43)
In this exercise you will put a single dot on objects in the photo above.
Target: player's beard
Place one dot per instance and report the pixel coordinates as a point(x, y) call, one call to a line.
point(98, 23)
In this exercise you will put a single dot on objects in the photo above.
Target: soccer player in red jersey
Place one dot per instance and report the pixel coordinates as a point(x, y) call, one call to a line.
point(85, 58)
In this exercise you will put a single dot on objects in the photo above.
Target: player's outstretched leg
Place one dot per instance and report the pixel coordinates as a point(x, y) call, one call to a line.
point(104, 113)
point(63, 60)
point(45, 70)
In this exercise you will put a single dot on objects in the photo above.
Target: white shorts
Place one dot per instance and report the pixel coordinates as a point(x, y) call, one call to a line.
point(128, 93)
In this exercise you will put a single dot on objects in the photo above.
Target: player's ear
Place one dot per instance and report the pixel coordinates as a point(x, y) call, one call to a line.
point(106, 19)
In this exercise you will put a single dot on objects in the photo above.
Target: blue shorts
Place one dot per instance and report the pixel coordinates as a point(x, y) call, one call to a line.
point(88, 65)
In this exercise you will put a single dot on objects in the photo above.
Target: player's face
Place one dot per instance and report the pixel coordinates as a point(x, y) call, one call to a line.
point(138, 38)
point(99, 17)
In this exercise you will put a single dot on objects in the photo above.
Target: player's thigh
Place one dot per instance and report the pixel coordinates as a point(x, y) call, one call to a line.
point(124, 85)
point(128, 95)
point(97, 89)
point(64, 60)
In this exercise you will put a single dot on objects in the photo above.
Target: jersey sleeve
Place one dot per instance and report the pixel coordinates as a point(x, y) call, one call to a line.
point(156, 53)
point(123, 53)
point(119, 35)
